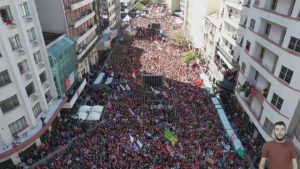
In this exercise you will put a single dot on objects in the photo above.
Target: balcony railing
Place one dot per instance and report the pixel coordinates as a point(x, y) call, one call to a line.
point(35, 43)
point(85, 34)
point(28, 18)
point(80, 4)
point(20, 52)
point(84, 50)
point(85, 17)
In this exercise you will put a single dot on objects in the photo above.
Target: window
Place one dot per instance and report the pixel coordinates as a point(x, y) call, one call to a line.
point(4, 78)
point(6, 14)
point(31, 34)
point(269, 126)
point(30, 89)
point(294, 44)
point(37, 57)
point(9, 104)
point(274, 4)
point(299, 14)
point(15, 42)
point(37, 110)
point(256, 75)
point(262, 53)
point(243, 67)
point(277, 101)
point(18, 126)
point(286, 74)
point(48, 96)
point(23, 67)
point(252, 24)
point(24, 9)
point(268, 28)
point(43, 77)
point(248, 45)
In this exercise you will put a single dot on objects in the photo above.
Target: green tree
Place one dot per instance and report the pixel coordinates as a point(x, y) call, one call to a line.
point(138, 6)
point(144, 2)
point(157, 2)
point(188, 57)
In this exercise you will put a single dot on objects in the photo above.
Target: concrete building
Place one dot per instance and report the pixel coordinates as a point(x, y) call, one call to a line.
point(269, 62)
point(27, 89)
point(173, 5)
point(195, 14)
point(76, 19)
point(112, 13)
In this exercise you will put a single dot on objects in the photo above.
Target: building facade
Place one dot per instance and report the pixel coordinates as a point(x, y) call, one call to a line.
point(112, 13)
point(269, 66)
point(77, 19)
point(27, 89)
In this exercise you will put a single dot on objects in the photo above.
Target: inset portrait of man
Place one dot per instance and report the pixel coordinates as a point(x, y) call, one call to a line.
point(280, 153)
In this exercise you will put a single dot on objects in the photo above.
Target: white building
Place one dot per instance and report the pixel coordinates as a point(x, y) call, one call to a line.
point(195, 19)
point(269, 60)
point(112, 12)
point(26, 85)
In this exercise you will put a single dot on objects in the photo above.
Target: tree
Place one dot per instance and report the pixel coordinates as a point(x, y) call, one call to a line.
point(138, 6)
point(157, 2)
point(179, 37)
point(188, 57)
point(144, 2)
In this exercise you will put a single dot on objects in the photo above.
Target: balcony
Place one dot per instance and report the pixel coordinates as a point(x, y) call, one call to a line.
point(34, 97)
point(231, 37)
point(227, 55)
point(80, 4)
point(10, 23)
point(237, 4)
point(35, 43)
point(232, 21)
point(46, 85)
point(41, 65)
point(85, 34)
point(83, 51)
point(252, 115)
point(87, 16)
point(20, 52)
point(27, 76)
point(28, 18)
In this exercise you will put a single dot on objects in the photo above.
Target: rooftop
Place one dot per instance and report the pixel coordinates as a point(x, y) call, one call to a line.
point(50, 37)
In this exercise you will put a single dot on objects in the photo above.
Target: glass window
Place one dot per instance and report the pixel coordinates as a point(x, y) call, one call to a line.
point(274, 4)
point(18, 126)
point(269, 126)
point(4, 78)
point(9, 104)
point(23, 67)
point(48, 96)
point(15, 42)
point(268, 28)
point(37, 57)
point(43, 77)
point(286, 74)
point(24, 9)
point(6, 14)
point(37, 110)
point(248, 45)
point(252, 24)
point(277, 101)
point(30, 89)
point(31, 34)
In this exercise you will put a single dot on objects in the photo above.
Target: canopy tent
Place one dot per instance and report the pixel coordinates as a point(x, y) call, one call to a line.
point(127, 18)
point(109, 80)
point(100, 78)
point(82, 115)
point(90, 113)
point(215, 101)
point(230, 133)
point(94, 116)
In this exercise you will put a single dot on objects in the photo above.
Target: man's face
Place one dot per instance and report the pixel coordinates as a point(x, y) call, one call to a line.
point(279, 132)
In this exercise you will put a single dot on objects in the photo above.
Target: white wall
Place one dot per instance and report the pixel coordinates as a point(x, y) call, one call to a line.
point(269, 60)
point(51, 15)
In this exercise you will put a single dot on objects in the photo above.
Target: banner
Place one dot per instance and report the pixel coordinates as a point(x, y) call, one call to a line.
point(170, 136)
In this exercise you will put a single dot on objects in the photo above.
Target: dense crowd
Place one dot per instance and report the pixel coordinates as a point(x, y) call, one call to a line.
point(131, 133)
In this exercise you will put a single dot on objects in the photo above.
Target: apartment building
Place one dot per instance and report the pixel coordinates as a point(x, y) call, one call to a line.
point(195, 19)
point(269, 66)
point(112, 13)
point(76, 19)
point(28, 101)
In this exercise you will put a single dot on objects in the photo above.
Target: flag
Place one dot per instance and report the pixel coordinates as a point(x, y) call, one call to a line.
point(170, 149)
point(131, 138)
point(170, 136)
point(131, 111)
point(139, 143)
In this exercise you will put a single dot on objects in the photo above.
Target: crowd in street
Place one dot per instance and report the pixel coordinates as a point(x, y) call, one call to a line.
point(131, 132)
